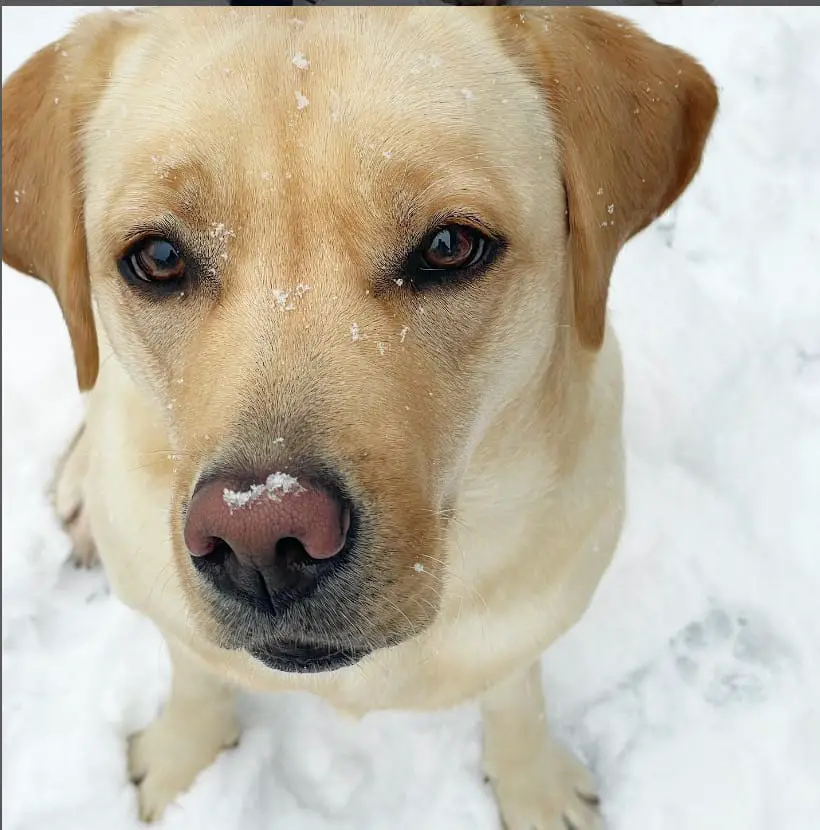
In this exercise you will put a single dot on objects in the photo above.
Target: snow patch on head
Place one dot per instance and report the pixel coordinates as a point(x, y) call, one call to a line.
point(284, 300)
point(222, 234)
point(160, 167)
point(219, 230)
point(300, 61)
point(275, 485)
point(281, 299)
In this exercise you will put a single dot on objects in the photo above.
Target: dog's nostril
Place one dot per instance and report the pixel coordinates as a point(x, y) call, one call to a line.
point(291, 553)
point(216, 558)
point(220, 553)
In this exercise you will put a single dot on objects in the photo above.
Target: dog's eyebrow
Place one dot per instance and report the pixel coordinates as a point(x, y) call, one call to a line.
point(178, 190)
point(186, 182)
point(164, 225)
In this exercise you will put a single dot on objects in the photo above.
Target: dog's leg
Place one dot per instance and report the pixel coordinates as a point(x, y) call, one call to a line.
point(539, 785)
point(69, 502)
point(198, 722)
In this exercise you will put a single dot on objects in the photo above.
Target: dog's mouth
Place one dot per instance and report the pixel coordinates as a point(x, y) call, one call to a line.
point(306, 657)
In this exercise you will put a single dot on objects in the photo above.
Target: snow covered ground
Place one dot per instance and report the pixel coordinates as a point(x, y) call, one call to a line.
point(693, 684)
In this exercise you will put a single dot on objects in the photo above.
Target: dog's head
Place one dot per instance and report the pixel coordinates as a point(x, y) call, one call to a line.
point(332, 246)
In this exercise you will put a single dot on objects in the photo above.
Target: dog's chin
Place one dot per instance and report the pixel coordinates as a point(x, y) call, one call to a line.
point(306, 658)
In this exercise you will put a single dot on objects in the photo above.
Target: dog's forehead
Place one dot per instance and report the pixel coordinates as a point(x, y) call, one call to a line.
point(381, 43)
point(348, 100)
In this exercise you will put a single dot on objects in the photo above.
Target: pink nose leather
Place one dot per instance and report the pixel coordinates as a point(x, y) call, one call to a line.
point(254, 521)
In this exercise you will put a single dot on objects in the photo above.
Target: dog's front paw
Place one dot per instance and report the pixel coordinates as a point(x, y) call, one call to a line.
point(165, 759)
point(558, 794)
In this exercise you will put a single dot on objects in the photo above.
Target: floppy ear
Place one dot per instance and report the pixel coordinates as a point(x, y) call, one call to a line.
point(631, 116)
point(46, 104)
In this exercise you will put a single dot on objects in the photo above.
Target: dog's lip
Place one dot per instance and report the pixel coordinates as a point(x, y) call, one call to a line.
point(311, 658)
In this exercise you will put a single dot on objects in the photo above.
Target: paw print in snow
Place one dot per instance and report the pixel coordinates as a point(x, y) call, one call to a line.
point(731, 658)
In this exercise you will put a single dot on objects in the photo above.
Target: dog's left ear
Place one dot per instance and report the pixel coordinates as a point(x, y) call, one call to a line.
point(632, 117)
point(46, 106)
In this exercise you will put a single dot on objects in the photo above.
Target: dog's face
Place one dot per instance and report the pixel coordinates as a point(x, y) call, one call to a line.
point(332, 246)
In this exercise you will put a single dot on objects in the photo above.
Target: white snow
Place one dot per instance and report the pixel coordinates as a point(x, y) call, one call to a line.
point(280, 297)
point(301, 101)
point(300, 61)
point(219, 230)
point(692, 684)
point(275, 485)
point(284, 299)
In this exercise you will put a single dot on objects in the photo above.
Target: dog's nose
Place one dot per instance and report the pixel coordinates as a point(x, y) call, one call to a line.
point(272, 538)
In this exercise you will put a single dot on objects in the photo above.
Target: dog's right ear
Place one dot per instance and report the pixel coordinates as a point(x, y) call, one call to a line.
point(46, 105)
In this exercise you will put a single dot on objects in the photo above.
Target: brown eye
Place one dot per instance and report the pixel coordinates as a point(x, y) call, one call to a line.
point(452, 248)
point(155, 260)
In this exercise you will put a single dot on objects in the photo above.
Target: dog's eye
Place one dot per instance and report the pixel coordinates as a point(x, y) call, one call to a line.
point(154, 260)
point(450, 254)
point(452, 248)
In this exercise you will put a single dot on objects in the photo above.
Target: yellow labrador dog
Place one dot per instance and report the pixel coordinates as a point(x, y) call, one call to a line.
point(336, 282)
